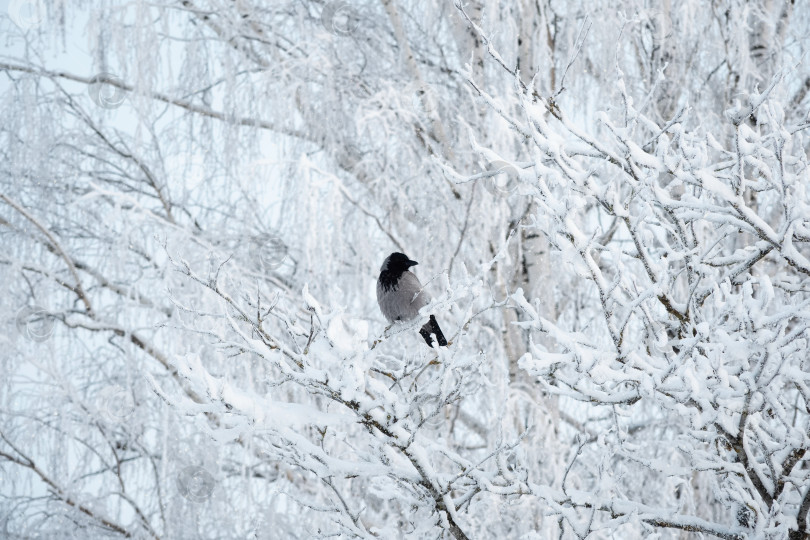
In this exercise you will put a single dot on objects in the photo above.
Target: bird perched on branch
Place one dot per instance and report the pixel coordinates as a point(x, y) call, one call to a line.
point(400, 296)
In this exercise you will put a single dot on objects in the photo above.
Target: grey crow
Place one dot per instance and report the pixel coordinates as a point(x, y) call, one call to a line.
point(400, 296)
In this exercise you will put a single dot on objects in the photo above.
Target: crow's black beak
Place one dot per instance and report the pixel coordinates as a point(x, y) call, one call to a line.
point(412, 263)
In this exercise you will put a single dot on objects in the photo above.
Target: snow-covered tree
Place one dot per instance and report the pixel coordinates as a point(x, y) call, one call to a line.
point(609, 208)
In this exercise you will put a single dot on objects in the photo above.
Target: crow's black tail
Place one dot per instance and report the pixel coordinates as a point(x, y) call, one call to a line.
point(432, 327)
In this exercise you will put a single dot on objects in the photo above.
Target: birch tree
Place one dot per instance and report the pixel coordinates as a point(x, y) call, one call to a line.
point(608, 205)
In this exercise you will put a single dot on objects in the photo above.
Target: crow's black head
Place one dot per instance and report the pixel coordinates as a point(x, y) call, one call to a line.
point(392, 269)
point(396, 263)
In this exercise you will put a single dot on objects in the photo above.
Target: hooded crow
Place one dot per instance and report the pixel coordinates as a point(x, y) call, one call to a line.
point(400, 296)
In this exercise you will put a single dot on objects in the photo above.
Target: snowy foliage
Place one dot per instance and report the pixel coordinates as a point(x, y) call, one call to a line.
point(609, 206)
